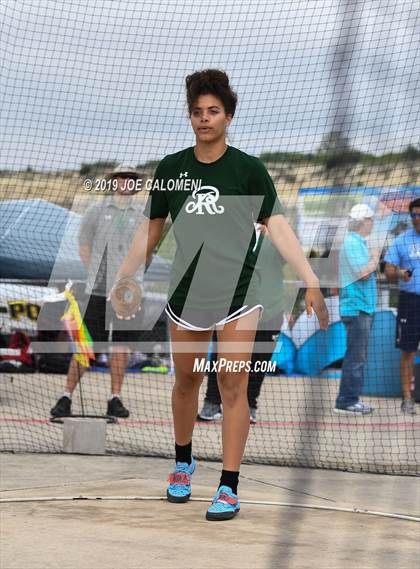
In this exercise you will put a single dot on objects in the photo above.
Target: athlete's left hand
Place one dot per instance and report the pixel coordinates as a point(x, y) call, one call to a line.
point(314, 301)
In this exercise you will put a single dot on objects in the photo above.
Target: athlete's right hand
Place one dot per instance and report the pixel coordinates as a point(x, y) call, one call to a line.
point(314, 301)
point(126, 296)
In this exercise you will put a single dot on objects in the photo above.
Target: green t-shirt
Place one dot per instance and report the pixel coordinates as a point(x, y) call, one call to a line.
point(213, 208)
point(269, 271)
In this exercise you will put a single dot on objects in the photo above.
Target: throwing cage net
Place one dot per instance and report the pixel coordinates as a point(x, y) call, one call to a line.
point(328, 99)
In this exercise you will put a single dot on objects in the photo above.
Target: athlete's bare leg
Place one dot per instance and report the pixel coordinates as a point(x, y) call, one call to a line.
point(233, 387)
point(187, 382)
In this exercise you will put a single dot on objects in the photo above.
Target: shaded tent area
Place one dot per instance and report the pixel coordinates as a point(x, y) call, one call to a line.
point(39, 239)
point(317, 349)
point(39, 242)
point(284, 354)
point(398, 199)
point(35, 235)
point(322, 213)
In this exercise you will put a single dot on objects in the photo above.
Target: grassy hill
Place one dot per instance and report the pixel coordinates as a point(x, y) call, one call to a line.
point(66, 188)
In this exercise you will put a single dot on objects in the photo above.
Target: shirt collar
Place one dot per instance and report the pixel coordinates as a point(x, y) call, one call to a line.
point(357, 235)
point(109, 202)
point(412, 233)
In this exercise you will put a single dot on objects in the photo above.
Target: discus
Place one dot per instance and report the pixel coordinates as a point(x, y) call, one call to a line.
point(126, 296)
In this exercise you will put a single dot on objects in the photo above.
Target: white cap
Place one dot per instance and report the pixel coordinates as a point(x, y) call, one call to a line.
point(361, 211)
point(126, 169)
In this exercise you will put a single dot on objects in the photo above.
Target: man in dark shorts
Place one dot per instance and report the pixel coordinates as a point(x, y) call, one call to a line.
point(105, 235)
point(403, 264)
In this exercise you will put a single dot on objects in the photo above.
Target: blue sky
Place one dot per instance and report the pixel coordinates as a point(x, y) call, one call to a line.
point(101, 80)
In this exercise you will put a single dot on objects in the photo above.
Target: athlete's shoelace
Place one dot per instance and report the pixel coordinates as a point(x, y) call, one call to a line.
point(225, 498)
point(179, 478)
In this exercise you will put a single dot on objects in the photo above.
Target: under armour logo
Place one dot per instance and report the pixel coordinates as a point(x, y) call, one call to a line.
point(183, 174)
point(205, 198)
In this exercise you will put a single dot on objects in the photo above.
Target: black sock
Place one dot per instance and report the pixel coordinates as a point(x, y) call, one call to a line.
point(183, 453)
point(231, 479)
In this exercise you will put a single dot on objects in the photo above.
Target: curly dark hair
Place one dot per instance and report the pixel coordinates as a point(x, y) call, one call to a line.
point(211, 82)
point(413, 204)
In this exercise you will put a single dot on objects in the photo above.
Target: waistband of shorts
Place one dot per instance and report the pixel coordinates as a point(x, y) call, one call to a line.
point(173, 311)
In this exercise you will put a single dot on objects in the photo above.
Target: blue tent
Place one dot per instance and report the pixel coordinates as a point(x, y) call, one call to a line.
point(284, 354)
point(31, 232)
point(321, 350)
point(382, 372)
point(37, 236)
point(382, 377)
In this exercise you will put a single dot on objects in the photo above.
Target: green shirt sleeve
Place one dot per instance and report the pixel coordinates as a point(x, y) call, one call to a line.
point(157, 202)
point(261, 184)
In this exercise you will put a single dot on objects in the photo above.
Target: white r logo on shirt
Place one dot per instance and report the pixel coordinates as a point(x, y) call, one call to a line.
point(205, 198)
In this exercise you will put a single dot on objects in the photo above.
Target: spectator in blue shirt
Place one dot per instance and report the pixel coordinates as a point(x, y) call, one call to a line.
point(403, 264)
point(357, 306)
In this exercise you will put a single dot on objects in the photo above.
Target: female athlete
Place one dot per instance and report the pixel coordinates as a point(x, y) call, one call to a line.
point(214, 194)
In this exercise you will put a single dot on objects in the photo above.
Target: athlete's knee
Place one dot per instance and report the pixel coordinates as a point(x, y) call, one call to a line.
point(187, 382)
point(233, 387)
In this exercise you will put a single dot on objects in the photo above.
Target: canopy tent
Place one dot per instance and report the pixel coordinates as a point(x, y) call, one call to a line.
point(317, 349)
point(37, 236)
point(31, 235)
point(322, 213)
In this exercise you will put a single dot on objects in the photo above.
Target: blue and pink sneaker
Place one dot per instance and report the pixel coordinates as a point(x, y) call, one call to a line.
point(179, 489)
point(225, 505)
